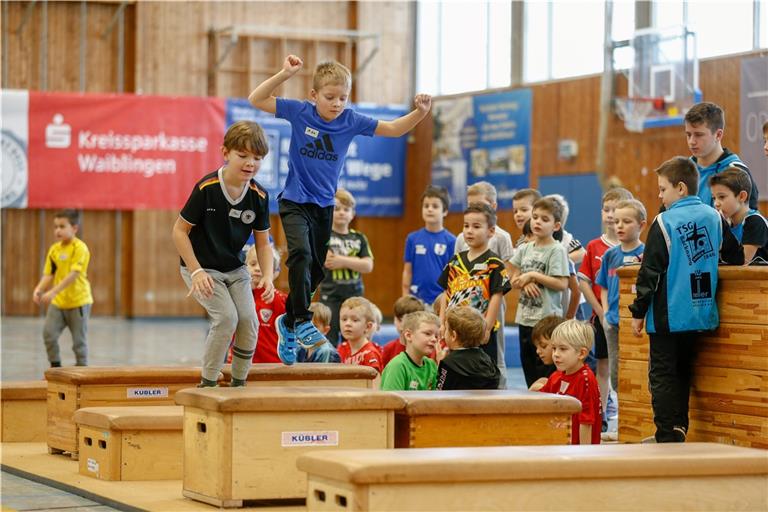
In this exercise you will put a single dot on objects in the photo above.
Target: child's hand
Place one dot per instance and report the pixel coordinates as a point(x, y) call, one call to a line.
point(202, 286)
point(292, 64)
point(532, 290)
point(36, 295)
point(47, 298)
point(441, 352)
point(332, 262)
point(538, 384)
point(637, 326)
point(423, 102)
point(268, 295)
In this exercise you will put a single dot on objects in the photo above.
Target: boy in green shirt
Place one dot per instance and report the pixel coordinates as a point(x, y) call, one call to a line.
point(413, 369)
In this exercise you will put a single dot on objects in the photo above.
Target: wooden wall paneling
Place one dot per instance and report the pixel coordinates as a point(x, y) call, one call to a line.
point(99, 231)
point(577, 115)
point(23, 51)
point(127, 250)
point(22, 261)
point(158, 289)
point(720, 82)
point(545, 113)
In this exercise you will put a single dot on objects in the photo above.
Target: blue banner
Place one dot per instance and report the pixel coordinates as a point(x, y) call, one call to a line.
point(482, 138)
point(374, 170)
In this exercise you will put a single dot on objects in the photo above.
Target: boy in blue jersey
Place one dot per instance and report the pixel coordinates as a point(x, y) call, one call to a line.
point(676, 288)
point(731, 189)
point(428, 250)
point(704, 126)
point(629, 219)
point(321, 132)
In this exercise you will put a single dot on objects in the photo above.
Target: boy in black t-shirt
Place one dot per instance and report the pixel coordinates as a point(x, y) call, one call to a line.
point(466, 366)
point(349, 256)
point(223, 209)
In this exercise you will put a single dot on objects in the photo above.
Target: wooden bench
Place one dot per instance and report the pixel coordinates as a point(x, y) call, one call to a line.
point(72, 388)
point(483, 418)
point(131, 443)
point(729, 389)
point(242, 444)
point(23, 415)
point(309, 374)
point(692, 476)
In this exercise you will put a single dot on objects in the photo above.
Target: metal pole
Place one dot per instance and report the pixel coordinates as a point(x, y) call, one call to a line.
point(606, 95)
point(756, 30)
point(518, 43)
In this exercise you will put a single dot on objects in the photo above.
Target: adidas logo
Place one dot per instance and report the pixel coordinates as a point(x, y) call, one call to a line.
point(321, 149)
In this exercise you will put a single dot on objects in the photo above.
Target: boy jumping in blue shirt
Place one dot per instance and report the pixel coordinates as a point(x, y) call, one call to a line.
point(321, 131)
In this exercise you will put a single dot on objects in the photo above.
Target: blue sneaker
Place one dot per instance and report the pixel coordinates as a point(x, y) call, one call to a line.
point(611, 409)
point(286, 342)
point(307, 334)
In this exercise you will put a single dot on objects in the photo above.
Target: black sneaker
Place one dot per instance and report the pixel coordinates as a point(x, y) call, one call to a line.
point(205, 383)
point(679, 434)
point(55, 364)
point(237, 383)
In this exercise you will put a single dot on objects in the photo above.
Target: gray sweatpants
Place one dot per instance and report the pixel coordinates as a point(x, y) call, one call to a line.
point(231, 309)
point(612, 339)
point(76, 319)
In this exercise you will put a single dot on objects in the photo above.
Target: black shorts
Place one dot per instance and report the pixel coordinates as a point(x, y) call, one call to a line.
point(601, 345)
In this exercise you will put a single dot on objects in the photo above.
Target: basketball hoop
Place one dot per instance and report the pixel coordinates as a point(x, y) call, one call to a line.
point(634, 111)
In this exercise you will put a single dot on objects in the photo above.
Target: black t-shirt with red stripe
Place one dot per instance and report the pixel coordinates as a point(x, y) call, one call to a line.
point(221, 225)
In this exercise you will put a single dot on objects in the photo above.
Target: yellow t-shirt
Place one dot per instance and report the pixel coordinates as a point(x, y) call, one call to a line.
point(60, 261)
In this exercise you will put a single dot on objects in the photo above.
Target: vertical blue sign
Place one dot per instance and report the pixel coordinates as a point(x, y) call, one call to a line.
point(482, 138)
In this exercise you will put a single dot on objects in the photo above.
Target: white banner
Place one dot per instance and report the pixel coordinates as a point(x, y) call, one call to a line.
point(15, 134)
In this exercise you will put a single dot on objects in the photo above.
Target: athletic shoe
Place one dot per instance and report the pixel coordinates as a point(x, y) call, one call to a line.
point(286, 342)
point(307, 334)
point(679, 434)
point(237, 383)
point(205, 383)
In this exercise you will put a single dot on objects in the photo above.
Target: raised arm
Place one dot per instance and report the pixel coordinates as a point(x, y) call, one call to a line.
point(262, 97)
point(402, 125)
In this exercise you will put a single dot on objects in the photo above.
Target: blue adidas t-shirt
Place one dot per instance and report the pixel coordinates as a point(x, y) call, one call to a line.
point(428, 253)
point(613, 259)
point(318, 149)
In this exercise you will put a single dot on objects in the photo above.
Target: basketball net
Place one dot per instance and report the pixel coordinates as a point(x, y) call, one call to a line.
point(634, 111)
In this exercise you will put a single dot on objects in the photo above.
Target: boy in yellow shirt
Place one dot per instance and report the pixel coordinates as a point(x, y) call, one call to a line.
point(69, 300)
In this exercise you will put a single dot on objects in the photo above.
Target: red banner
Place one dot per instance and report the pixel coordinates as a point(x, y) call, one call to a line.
point(120, 152)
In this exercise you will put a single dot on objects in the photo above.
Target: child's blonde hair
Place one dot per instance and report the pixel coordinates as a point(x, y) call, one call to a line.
point(412, 321)
point(331, 72)
point(360, 303)
point(617, 194)
point(346, 198)
point(468, 324)
point(377, 316)
point(483, 188)
point(636, 206)
point(275, 255)
point(321, 313)
point(575, 333)
point(407, 304)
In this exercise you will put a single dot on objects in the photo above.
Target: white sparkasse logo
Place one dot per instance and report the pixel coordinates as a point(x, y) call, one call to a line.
point(14, 171)
point(58, 134)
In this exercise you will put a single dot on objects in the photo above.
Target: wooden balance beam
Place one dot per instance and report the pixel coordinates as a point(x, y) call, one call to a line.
point(309, 374)
point(483, 418)
point(692, 476)
point(131, 443)
point(242, 443)
point(72, 388)
point(729, 388)
point(23, 416)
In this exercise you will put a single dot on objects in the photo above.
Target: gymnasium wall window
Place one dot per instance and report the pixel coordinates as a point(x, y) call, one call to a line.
point(557, 46)
point(463, 46)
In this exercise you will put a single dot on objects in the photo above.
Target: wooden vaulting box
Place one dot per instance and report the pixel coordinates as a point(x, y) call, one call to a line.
point(242, 444)
point(23, 413)
point(131, 443)
point(309, 374)
point(690, 476)
point(483, 418)
point(729, 388)
point(72, 388)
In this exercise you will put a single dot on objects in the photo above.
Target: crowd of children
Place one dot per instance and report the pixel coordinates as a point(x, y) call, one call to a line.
point(450, 318)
